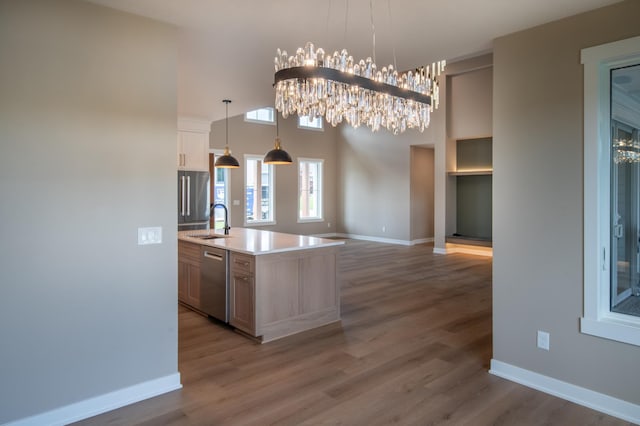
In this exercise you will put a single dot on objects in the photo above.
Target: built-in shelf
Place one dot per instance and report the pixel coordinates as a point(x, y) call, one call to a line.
point(472, 177)
point(471, 241)
point(470, 173)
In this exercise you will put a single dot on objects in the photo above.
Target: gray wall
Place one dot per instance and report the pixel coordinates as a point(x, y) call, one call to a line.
point(254, 138)
point(469, 106)
point(538, 153)
point(88, 125)
point(421, 196)
point(474, 154)
point(375, 181)
point(473, 206)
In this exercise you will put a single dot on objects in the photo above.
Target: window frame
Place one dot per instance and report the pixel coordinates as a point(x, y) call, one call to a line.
point(308, 127)
point(272, 180)
point(227, 184)
point(271, 122)
point(319, 187)
point(598, 319)
point(227, 180)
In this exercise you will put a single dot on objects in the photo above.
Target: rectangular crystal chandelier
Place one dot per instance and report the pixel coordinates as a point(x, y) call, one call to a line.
point(314, 84)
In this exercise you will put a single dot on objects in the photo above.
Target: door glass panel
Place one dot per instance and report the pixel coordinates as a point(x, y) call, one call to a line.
point(625, 190)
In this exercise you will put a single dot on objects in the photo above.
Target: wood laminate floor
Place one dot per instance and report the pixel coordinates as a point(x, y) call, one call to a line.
point(413, 349)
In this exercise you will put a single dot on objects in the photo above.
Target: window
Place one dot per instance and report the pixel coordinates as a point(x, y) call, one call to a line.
point(219, 189)
point(612, 191)
point(307, 122)
point(261, 115)
point(309, 190)
point(259, 191)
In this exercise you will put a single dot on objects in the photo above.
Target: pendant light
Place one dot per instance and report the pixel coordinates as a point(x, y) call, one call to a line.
point(226, 161)
point(277, 155)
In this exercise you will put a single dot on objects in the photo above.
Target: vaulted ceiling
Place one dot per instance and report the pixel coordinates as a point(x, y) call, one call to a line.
point(226, 47)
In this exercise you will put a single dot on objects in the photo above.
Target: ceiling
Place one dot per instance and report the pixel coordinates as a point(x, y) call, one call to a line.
point(226, 47)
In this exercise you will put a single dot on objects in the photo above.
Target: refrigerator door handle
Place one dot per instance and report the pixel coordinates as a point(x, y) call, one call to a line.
point(182, 196)
point(188, 195)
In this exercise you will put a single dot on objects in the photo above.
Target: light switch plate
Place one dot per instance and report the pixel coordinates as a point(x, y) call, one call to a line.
point(152, 235)
point(543, 340)
point(236, 202)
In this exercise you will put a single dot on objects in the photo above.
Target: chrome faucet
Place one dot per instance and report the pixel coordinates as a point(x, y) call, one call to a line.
point(226, 216)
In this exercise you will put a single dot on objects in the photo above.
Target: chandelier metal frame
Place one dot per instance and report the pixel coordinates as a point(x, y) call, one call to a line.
point(319, 72)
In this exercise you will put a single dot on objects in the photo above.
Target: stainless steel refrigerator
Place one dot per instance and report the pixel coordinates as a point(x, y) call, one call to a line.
point(193, 200)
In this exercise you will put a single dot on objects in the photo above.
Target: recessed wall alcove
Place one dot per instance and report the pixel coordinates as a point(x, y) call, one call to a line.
point(473, 175)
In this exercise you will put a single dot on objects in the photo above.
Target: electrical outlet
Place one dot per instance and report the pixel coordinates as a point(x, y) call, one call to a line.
point(236, 202)
point(328, 224)
point(151, 235)
point(384, 228)
point(543, 340)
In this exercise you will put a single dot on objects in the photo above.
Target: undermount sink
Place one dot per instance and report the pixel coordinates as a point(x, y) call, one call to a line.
point(207, 236)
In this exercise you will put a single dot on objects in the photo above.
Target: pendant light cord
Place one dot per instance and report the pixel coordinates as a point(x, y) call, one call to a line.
point(226, 123)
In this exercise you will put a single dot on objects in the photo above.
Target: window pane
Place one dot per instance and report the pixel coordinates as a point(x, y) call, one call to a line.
point(310, 189)
point(625, 194)
point(310, 122)
point(220, 195)
point(258, 191)
point(261, 114)
point(250, 190)
point(266, 191)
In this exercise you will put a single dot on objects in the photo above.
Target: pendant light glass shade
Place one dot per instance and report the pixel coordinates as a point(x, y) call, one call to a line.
point(226, 161)
point(277, 155)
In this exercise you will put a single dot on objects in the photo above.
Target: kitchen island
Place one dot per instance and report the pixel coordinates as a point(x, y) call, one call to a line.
point(279, 284)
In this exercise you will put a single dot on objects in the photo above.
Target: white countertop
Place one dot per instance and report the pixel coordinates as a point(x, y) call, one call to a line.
point(256, 242)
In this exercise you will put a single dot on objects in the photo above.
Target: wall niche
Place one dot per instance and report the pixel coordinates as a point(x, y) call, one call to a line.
point(474, 170)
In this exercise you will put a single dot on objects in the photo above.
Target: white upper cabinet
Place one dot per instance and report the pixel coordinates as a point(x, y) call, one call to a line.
point(193, 144)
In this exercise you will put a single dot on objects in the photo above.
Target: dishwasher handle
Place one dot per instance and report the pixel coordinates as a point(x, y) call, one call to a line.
point(213, 256)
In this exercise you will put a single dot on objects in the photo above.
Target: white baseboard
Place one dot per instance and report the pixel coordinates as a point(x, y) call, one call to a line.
point(579, 395)
point(421, 241)
point(375, 239)
point(438, 250)
point(102, 403)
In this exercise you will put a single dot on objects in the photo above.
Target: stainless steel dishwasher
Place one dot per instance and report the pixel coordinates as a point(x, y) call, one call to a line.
point(214, 283)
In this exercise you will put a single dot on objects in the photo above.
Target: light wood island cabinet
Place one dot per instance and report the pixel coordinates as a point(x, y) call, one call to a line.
point(189, 273)
point(242, 313)
point(279, 284)
point(275, 295)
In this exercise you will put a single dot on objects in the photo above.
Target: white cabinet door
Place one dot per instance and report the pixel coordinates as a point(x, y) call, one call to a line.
point(193, 151)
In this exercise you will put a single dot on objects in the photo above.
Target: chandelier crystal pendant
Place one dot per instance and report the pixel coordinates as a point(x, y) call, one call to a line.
point(626, 151)
point(314, 84)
